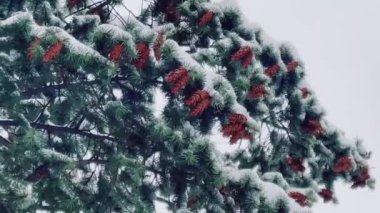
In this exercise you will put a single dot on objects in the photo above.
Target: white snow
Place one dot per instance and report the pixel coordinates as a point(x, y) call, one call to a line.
point(34, 101)
point(16, 18)
point(85, 19)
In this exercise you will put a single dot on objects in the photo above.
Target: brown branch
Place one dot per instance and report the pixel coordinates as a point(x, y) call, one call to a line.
point(56, 86)
point(4, 142)
point(99, 5)
point(61, 129)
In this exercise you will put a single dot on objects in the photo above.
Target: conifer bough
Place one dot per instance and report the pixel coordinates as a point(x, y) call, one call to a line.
point(79, 133)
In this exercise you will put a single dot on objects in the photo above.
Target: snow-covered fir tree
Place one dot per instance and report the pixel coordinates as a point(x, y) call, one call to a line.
point(78, 80)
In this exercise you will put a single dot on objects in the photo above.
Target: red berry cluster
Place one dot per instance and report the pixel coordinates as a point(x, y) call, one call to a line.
point(53, 52)
point(206, 18)
point(198, 102)
point(178, 79)
point(143, 57)
point(299, 198)
point(257, 92)
point(245, 54)
point(116, 53)
point(272, 70)
point(313, 127)
point(235, 129)
point(296, 164)
point(343, 165)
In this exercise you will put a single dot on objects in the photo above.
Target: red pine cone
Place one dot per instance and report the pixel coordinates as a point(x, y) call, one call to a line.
point(313, 127)
point(257, 92)
point(296, 164)
point(197, 97)
point(33, 45)
point(53, 51)
point(72, 3)
point(326, 194)
point(247, 60)
point(292, 66)
point(305, 92)
point(180, 85)
point(240, 135)
point(176, 75)
point(361, 180)
point(192, 202)
point(240, 54)
point(171, 12)
point(40, 173)
point(198, 102)
point(116, 53)
point(157, 46)
point(299, 198)
point(225, 191)
point(272, 71)
point(206, 18)
point(343, 165)
point(200, 108)
point(245, 54)
point(178, 79)
point(236, 118)
point(143, 58)
point(235, 129)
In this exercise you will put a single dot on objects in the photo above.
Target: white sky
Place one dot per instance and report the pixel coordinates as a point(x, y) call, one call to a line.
point(339, 44)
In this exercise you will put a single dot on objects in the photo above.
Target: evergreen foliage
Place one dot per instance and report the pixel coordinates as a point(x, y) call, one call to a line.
point(78, 131)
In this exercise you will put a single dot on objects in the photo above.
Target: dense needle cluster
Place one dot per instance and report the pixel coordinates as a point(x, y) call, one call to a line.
point(33, 45)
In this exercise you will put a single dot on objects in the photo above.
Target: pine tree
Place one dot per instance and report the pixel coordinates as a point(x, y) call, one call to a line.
point(78, 131)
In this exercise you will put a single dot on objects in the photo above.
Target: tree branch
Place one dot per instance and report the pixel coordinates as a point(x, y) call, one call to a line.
point(57, 86)
point(61, 129)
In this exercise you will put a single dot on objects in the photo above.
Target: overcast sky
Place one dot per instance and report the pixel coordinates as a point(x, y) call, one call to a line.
point(339, 44)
